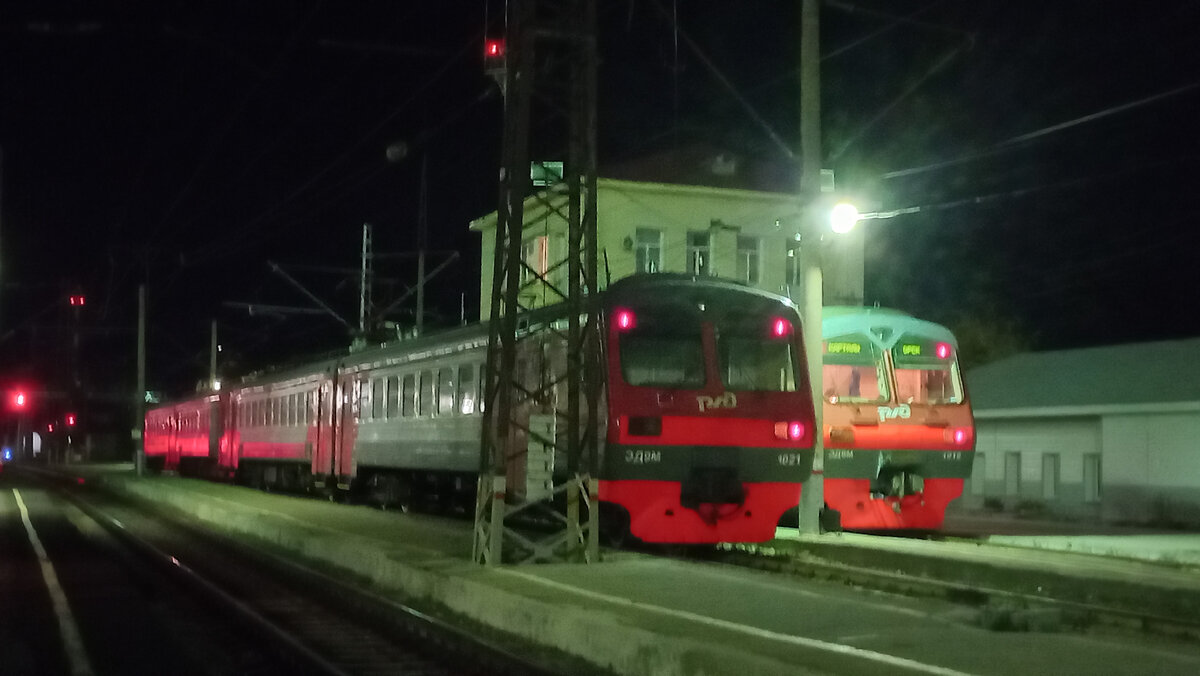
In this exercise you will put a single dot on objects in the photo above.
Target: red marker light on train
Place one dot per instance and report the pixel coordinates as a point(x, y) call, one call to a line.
point(942, 350)
point(780, 327)
point(792, 431)
point(961, 435)
point(625, 320)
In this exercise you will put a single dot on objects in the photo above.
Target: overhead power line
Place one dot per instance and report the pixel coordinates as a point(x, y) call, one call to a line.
point(1012, 143)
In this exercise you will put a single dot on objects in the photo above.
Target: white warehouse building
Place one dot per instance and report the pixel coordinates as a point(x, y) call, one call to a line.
point(1107, 434)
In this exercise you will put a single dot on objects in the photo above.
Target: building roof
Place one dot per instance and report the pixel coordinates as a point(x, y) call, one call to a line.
point(1163, 375)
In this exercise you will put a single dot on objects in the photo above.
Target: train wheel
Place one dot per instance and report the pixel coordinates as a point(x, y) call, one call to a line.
point(614, 527)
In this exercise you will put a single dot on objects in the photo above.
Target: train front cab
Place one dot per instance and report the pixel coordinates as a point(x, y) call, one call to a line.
point(710, 422)
point(899, 434)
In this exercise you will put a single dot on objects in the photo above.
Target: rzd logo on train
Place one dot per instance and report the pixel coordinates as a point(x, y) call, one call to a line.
point(889, 413)
point(727, 400)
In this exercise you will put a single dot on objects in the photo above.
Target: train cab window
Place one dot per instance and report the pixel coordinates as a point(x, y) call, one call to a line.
point(425, 394)
point(755, 359)
point(408, 393)
point(853, 371)
point(926, 372)
point(393, 397)
point(378, 398)
point(465, 395)
point(445, 391)
point(663, 350)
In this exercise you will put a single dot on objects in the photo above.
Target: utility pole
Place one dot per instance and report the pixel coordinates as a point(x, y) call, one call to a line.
point(139, 399)
point(422, 244)
point(364, 283)
point(812, 497)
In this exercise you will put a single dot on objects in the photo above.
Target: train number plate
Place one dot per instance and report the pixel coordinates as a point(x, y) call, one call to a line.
point(642, 457)
point(791, 459)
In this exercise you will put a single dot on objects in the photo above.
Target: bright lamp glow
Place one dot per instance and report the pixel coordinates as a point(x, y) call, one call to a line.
point(942, 350)
point(843, 217)
point(781, 327)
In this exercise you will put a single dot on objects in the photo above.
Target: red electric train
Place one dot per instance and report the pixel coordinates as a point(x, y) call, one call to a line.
point(899, 434)
point(708, 428)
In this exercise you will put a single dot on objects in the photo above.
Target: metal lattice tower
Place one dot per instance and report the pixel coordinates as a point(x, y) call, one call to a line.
point(549, 81)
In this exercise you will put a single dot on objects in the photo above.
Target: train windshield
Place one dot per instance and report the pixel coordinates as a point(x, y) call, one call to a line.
point(926, 372)
point(853, 371)
point(754, 358)
point(663, 349)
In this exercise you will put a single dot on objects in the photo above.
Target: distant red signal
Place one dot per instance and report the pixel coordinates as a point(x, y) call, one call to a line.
point(78, 301)
point(20, 400)
point(493, 50)
point(70, 420)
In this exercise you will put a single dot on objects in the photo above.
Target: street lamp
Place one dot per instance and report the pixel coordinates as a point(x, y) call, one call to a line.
point(843, 217)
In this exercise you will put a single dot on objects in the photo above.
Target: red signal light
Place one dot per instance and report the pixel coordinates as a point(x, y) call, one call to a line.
point(625, 320)
point(20, 400)
point(493, 49)
point(961, 435)
point(77, 301)
point(70, 420)
point(50, 427)
point(790, 431)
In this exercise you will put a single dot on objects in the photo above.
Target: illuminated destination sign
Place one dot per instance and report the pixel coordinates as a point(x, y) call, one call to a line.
point(924, 350)
point(843, 347)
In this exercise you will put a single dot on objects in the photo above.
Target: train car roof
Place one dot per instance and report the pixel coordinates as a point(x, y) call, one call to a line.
point(635, 285)
point(884, 325)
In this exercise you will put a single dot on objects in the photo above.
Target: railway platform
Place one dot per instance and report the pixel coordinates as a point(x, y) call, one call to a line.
point(641, 614)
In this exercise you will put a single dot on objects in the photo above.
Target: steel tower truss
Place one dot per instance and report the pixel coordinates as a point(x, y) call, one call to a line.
point(544, 378)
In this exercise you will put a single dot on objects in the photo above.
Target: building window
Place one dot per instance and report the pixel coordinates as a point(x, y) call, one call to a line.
point(1050, 465)
point(747, 259)
point(698, 253)
point(648, 247)
point(535, 252)
point(1091, 477)
point(793, 267)
point(1012, 473)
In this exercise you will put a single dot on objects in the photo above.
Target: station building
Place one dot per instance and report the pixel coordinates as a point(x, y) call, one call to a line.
point(1106, 434)
point(712, 219)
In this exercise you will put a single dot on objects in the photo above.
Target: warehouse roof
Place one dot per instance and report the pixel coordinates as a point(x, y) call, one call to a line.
point(1132, 376)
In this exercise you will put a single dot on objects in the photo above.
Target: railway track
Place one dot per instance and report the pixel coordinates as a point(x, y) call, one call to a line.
point(1012, 601)
point(308, 621)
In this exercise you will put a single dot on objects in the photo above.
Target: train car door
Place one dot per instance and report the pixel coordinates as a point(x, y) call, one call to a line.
point(325, 419)
point(349, 390)
point(215, 431)
point(171, 459)
point(231, 406)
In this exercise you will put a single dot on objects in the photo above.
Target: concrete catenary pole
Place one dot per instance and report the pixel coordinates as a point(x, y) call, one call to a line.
point(813, 494)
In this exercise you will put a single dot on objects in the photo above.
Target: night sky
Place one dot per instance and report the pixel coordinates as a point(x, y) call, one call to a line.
point(1052, 150)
